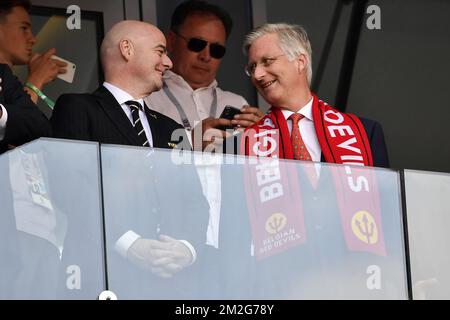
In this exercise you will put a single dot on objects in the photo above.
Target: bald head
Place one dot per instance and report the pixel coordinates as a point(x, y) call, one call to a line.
point(131, 30)
point(133, 52)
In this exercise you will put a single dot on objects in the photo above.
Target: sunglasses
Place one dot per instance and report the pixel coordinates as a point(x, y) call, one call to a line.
point(216, 50)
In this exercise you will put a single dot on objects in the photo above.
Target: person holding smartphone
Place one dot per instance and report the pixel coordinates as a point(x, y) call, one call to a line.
point(16, 44)
point(191, 94)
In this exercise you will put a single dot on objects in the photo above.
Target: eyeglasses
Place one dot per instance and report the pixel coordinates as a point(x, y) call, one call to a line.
point(217, 51)
point(265, 62)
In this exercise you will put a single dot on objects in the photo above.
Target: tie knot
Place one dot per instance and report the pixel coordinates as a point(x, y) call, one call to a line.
point(296, 117)
point(134, 104)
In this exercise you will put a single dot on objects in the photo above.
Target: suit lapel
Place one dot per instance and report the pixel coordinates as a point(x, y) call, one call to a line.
point(115, 113)
point(154, 123)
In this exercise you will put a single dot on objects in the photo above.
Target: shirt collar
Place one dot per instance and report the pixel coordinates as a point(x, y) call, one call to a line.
point(120, 95)
point(306, 111)
point(170, 76)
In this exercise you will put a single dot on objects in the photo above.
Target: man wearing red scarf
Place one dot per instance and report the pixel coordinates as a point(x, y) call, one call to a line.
point(279, 65)
point(304, 226)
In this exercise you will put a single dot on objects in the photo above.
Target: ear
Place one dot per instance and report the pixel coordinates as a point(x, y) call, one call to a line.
point(126, 48)
point(302, 62)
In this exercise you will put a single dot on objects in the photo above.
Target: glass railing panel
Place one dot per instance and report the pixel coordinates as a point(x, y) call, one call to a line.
point(261, 229)
point(428, 209)
point(335, 237)
point(51, 235)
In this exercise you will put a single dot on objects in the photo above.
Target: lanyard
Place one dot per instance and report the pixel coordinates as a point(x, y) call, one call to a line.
point(180, 109)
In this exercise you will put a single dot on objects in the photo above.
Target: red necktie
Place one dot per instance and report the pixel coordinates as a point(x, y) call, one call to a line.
point(300, 150)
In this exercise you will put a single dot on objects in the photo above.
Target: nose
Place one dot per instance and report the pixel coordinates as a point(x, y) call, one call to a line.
point(32, 39)
point(259, 72)
point(204, 54)
point(167, 62)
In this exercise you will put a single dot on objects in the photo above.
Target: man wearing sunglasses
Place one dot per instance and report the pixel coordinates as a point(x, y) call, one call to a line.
point(190, 93)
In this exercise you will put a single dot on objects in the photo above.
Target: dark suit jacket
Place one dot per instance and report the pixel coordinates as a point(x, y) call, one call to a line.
point(25, 121)
point(99, 117)
point(377, 144)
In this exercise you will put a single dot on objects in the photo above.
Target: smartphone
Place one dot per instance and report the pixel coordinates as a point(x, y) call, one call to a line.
point(228, 113)
point(70, 70)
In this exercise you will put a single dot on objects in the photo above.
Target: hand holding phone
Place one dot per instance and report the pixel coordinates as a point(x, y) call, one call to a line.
point(228, 113)
point(70, 70)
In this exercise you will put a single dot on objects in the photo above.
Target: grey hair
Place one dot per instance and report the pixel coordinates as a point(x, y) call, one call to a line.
point(293, 40)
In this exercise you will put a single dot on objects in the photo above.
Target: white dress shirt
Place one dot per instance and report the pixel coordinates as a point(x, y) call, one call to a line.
point(307, 131)
point(197, 106)
point(122, 97)
point(196, 103)
point(3, 120)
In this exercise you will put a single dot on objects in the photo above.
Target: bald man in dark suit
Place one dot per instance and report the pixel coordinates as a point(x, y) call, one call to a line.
point(134, 58)
point(133, 62)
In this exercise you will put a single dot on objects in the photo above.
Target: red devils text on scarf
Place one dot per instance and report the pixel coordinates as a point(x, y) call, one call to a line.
point(273, 192)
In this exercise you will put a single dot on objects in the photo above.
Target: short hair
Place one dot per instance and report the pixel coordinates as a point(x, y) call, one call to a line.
point(293, 40)
point(6, 7)
point(191, 7)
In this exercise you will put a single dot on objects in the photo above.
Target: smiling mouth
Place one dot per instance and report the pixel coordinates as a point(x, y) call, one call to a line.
point(267, 84)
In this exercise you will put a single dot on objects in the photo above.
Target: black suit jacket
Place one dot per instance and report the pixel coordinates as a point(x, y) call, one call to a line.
point(99, 117)
point(377, 144)
point(25, 121)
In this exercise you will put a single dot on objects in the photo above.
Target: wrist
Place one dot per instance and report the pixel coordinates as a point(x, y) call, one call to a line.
point(35, 82)
point(40, 94)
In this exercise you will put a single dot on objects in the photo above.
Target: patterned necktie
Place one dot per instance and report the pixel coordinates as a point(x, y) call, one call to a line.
point(137, 124)
point(300, 150)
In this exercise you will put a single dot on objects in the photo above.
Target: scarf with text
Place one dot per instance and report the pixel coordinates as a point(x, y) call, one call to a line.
point(273, 189)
